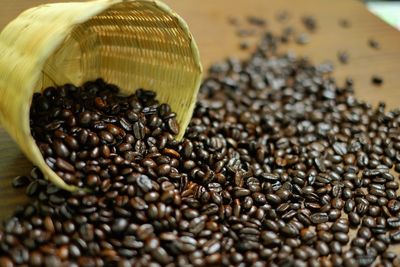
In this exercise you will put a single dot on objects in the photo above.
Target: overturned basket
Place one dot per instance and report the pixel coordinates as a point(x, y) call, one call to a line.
point(131, 43)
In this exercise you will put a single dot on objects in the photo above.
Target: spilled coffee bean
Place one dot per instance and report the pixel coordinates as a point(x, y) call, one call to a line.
point(278, 165)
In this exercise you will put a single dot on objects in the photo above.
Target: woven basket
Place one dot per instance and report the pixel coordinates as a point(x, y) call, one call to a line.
point(133, 44)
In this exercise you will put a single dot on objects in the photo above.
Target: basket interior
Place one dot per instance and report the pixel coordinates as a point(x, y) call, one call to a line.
point(131, 44)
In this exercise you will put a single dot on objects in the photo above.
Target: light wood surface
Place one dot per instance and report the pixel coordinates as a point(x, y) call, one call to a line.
point(208, 20)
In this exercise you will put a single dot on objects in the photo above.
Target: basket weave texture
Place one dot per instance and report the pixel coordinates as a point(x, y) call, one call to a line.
point(131, 43)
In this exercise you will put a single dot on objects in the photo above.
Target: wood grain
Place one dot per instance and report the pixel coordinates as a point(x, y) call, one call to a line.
point(217, 40)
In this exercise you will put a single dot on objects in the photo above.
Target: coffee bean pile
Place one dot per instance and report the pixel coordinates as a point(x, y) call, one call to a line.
point(280, 166)
point(91, 135)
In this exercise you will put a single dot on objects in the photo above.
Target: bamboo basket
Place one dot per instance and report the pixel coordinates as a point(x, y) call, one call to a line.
point(131, 43)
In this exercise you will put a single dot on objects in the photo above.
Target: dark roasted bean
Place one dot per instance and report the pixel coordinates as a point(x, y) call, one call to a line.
point(270, 239)
point(20, 181)
point(340, 226)
point(138, 130)
point(64, 165)
point(106, 136)
point(61, 149)
point(373, 43)
point(341, 237)
point(33, 188)
point(173, 126)
point(395, 235)
point(349, 205)
point(354, 218)
point(322, 248)
point(365, 233)
point(274, 154)
point(369, 222)
point(317, 218)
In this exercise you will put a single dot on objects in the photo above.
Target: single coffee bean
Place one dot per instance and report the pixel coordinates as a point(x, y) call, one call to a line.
point(354, 218)
point(365, 233)
point(317, 218)
point(173, 126)
point(20, 181)
point(33, 188)
point(322, 248)
point(373, 43)
point(61, 149)
point(85, 118)
point(64, 165)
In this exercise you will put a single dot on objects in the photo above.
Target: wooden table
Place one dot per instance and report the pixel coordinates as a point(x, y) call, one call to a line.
point(208, 20)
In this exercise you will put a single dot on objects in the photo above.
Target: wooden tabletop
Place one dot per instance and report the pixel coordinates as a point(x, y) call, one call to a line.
point(208, 20)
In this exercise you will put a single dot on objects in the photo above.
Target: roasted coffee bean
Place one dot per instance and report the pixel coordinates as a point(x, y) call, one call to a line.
point(359, 242)
point(336, 247)
point(61, 149)
point(36, 173)
point(325, 236)
point(354, 218)
point(337, 203)
point(262, 176)
point(393, 222)
point(349, 205)
point(85, 118)
point(173, 126)
point(35, 259)
point(143, 182)
point(373, 43)
point(64, 165)
point(343, 238)
point(322, 248)
point(334, 214)
point(270, 239)
point(365, 233)
point(317, 218)
point(289, 230)
point(164, 169)
point(394, 205)
point(106, 137)
point(369, 222)
point(71, 142)
point(361, 208)
point(20, 181)
point(395, 235)
point(389, 255)
point(378, 245)
point(33, 188)
point(340, 148)
point(340, 226)
point(365, 260)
